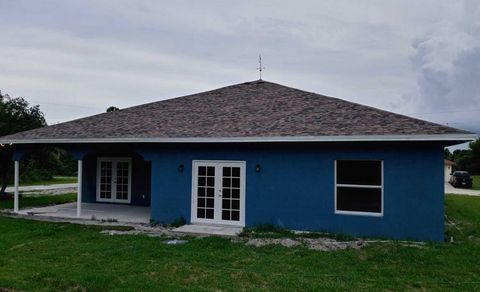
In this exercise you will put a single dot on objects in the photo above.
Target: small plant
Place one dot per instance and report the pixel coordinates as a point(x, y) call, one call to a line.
point(178, 222)
point(266, 230)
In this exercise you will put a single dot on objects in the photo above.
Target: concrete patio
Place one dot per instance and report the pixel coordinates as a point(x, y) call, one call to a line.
point(206, 229)
point(92, 211)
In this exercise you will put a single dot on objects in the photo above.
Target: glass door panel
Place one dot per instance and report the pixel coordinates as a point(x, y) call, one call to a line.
point(206, 192)
point(106, 179)
point(122, 180)
point(231, 193)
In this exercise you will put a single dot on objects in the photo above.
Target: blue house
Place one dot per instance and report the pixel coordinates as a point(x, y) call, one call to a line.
point(262, 153)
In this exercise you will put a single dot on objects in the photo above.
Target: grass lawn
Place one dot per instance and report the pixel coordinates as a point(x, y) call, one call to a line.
point(53, 256)
point(476, 182)
point(39, 201)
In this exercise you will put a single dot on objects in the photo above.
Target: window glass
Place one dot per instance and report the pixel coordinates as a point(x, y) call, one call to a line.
point(359, 172)
point(359, 199)
point(359, 186)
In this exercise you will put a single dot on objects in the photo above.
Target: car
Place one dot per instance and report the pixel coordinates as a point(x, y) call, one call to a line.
point(461, 179)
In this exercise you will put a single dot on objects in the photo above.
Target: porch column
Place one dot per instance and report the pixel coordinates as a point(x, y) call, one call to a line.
point(16, 181)
point(79, 188)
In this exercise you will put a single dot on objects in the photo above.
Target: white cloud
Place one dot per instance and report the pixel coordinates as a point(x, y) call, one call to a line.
point(75, 58)
point(446, 61)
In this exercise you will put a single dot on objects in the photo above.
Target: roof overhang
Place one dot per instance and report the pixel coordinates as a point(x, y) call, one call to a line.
point(350, 138)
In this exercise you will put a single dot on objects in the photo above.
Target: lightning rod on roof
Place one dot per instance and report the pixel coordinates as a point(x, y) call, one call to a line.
point(260, 68)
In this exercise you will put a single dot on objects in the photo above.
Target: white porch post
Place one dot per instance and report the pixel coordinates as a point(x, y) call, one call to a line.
point(79, 188)
point(16, 180)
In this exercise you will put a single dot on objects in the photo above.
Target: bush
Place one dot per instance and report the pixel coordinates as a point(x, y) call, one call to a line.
point(33, 171)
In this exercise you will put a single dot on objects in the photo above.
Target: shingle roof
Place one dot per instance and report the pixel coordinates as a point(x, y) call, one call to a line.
point(251, 109)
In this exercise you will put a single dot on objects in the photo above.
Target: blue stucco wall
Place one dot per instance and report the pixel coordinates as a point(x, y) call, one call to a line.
point(295, 188)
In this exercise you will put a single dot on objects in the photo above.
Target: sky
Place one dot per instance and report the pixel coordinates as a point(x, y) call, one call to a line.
point(76, 58)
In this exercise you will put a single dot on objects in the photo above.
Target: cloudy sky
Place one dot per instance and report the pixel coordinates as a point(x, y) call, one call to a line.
point(76, 58)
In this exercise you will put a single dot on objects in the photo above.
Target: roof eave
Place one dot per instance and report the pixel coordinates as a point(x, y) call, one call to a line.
point(461, 137)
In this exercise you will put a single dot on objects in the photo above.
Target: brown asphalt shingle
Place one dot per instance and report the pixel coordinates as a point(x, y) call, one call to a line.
point(251, 109)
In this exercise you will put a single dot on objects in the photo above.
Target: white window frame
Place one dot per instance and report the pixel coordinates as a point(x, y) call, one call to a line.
point(218, 182)
point(114, 186)
point(381, 187)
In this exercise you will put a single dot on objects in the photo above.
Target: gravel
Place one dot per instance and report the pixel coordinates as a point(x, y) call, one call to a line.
point(321, 244)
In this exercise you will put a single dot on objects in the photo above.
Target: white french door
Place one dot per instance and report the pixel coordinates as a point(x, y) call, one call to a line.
point(114, 177)
point(218, 192)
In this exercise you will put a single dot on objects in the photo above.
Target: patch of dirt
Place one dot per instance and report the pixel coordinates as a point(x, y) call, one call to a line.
point(321, 244)
point(329, 244)
point(474, 239)
point(287, 242)
point(155, 231)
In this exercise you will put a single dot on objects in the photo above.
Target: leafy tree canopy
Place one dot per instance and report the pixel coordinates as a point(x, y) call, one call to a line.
point(17, 115)
point(447, 154)
point(468, 159)
point(112, 109)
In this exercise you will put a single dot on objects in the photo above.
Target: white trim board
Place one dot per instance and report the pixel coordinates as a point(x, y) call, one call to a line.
point(349, 138)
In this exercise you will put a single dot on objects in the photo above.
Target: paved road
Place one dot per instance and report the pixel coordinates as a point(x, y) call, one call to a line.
point(449, 189)
point(42, 188)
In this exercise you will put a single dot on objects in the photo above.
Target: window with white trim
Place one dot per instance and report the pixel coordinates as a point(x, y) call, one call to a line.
point(359, 187)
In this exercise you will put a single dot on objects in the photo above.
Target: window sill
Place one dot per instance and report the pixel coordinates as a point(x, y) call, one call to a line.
point(355, 213)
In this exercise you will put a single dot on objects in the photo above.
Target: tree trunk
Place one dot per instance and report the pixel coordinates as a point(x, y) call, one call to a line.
point(4, 184)
point(2, 190)
point(5, 165)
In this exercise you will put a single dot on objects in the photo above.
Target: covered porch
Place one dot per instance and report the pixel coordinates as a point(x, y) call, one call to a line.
point(112, 185)
point(92, 211)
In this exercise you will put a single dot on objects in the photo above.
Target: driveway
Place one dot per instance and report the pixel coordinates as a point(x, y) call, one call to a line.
point(449, 189)
point(43, 188)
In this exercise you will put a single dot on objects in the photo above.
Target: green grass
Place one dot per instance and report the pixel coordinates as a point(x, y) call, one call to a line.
point(476, 182)
point(40, 256)
point(38, 201)
point(464, 213)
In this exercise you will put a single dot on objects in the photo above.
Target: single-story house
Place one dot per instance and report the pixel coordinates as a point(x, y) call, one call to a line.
point(262, 153)
point(448, 168)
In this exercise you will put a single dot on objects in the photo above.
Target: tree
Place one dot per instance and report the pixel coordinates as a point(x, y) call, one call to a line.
point(112, 109)
point(468, 159)
point(474, 166)
point(16, 115)
point(461, 158)
point(447, 154)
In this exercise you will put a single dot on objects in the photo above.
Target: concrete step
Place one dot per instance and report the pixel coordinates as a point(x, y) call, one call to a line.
point(209, 229)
